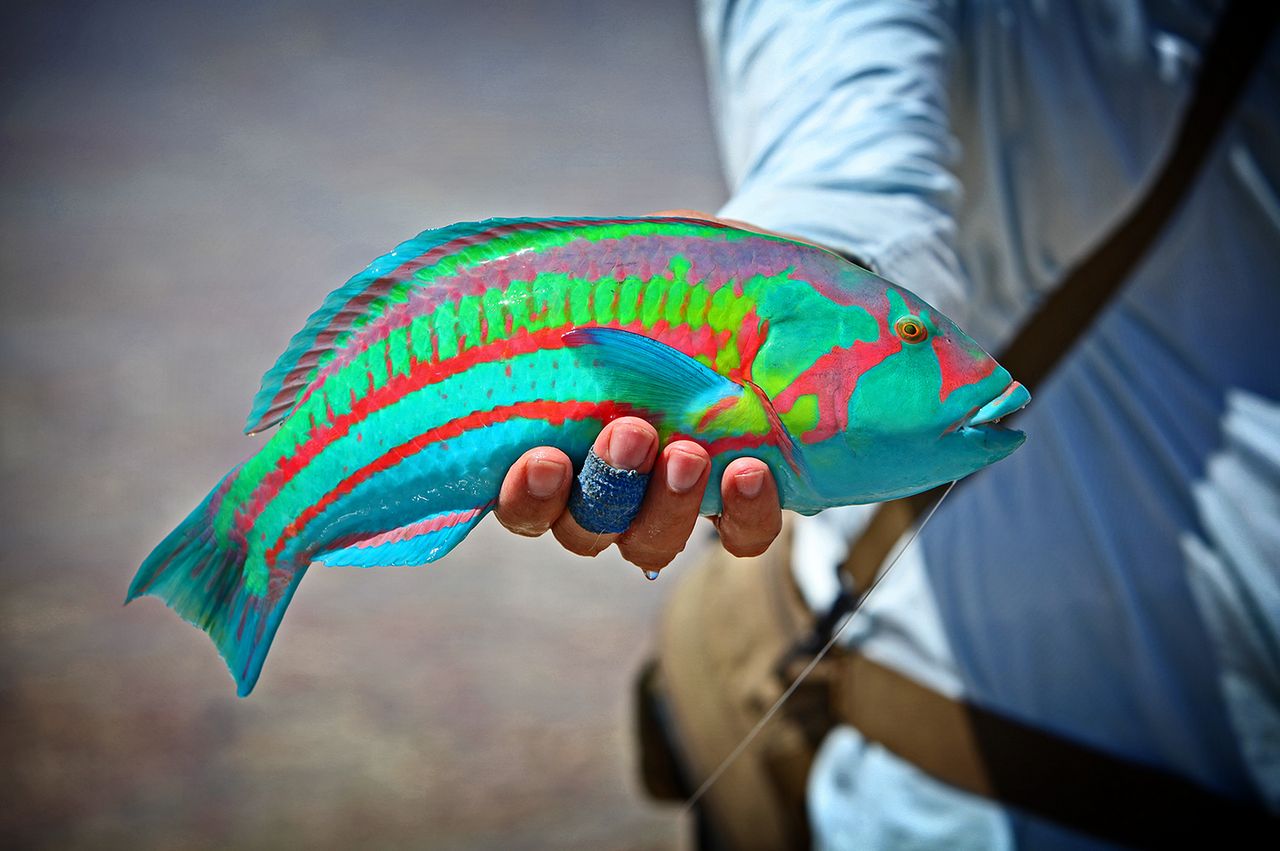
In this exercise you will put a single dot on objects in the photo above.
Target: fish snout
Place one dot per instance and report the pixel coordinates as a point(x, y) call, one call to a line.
point(1013, 398)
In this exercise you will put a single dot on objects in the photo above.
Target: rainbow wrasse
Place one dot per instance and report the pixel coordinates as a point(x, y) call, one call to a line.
point(415, 386)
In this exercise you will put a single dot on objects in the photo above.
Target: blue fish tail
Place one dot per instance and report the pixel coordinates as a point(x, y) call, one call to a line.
point(203, 580)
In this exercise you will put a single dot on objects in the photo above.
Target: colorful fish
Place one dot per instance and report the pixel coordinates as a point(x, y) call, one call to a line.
point(417, 384)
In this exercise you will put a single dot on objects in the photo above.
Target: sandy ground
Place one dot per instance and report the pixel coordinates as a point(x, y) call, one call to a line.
point(180, 189)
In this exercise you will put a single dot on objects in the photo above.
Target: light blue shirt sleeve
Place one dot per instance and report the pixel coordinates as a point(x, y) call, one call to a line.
point(834, 127)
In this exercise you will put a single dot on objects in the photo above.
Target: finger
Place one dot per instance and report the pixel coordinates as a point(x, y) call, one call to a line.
point(739, 224)
point(535, 491)
point(735, 223)
point(684, 213)
point(670, 509)
point(752, 517)
point(628, 443)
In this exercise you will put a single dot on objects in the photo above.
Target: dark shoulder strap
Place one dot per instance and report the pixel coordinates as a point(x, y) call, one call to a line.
point(1056, 778)
point(1228, 64)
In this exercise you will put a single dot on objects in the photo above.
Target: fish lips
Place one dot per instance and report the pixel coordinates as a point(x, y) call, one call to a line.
point(983, 424)
point(1014, 398)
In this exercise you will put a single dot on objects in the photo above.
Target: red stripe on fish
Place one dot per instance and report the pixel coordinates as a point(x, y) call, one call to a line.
point(833, 378)
point(708, 269)
point(693, 342)
point(959, 366)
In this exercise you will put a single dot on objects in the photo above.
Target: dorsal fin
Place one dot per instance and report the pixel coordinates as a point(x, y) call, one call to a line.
point(295, 369)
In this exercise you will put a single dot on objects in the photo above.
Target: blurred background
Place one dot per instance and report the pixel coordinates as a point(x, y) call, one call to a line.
point(182, 184)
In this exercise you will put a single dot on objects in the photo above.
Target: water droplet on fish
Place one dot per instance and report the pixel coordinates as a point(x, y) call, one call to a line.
point(651, 575)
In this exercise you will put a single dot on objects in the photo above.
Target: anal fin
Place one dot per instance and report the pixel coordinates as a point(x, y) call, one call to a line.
point(418, 543)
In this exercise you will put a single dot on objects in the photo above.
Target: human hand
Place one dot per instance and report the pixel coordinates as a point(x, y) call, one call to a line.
point(536, 490)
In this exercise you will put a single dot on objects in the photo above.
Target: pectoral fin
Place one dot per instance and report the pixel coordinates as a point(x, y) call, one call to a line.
point(652, 375)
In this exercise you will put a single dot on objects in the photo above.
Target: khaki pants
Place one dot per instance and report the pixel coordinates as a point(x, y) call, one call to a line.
point(722, 653)
point(735, 635)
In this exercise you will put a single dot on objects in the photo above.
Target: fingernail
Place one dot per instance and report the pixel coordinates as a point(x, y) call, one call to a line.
point(684, 470)
point(628, 448)
point(749, 483)
point(544, 476)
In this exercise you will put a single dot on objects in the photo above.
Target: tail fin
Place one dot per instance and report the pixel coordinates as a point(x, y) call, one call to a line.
point(202, 580)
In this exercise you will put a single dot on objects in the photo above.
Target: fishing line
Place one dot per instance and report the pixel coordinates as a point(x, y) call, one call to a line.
point(808, 669)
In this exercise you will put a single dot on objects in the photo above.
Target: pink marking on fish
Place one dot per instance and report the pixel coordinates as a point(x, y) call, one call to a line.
point(833, 378)
point(422, 527)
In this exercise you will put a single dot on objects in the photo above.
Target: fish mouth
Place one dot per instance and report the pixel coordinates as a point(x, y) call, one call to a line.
point(1013, 398)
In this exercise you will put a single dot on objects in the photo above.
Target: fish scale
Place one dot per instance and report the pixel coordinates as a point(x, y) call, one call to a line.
point(407, 396)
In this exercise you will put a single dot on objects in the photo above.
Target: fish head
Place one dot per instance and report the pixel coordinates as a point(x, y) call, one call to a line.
point(902, 407)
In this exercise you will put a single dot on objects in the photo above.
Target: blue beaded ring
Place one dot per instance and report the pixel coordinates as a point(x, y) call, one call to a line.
point(606, 499)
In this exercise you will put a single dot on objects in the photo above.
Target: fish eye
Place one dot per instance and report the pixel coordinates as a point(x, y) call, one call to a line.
point(911, 330)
